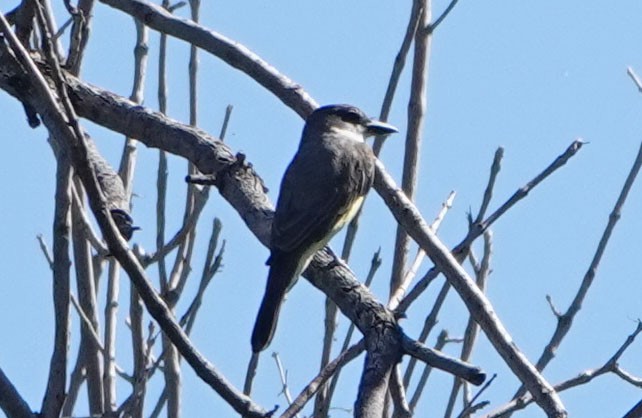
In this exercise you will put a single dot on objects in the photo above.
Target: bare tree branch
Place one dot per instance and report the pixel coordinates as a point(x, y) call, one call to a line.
point(416, 114)
point(476, 302)
point(565, 320)
point(472, 329)
point(461, 250)
point(611, 365)
point(631, 73)
point(11, 402)
point(233, 53)
point(472, 374)
point(61, 265)
point(345, 357)
point(69, 133)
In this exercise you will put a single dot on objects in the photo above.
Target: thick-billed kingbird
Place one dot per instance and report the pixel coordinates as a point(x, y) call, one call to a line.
point(321, 191)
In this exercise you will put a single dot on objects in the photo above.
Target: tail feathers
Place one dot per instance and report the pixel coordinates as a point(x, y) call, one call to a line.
point(283, 270)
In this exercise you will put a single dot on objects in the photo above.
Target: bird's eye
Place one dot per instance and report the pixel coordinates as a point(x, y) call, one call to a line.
point(351, 117)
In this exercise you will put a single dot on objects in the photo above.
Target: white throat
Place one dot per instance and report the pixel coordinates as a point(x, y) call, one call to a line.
point(348, 133)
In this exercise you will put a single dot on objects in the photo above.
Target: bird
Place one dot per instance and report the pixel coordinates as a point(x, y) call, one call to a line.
point(322, 190)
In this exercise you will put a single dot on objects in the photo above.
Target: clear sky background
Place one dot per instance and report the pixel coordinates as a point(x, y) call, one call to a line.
point(528, 76)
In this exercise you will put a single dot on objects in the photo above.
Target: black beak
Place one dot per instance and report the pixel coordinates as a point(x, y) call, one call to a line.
point(375, 127)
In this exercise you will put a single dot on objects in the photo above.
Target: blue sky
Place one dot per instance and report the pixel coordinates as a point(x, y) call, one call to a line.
point(528, 76)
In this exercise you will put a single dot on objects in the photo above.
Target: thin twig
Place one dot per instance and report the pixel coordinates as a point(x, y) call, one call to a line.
point(461, 249)
point(45, 250)
point(433, 26)
point(397, 69)
point(477, 303)
point(611, 365)
point(429, 324)
point(308, 392)
point(471, 407)
point(233, 53)
point(65, 127)
point(416, 113)
point(283, 375)
point(55, 393)
point(397, 297)
point(472, 329)
point(565, 321)
point(635, 78)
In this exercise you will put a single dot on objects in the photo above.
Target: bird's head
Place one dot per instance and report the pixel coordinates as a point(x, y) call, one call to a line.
point(348, 121)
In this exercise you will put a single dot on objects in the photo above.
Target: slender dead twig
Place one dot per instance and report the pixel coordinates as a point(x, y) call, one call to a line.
point(482, 271)
point(631, 73)
point(431, 318)
point(461, 249)
point(398, 295)
point(433, 26)
point(565, 320)
point(233, 53)
point(171, 371)
point(135, 402)
point(283, 375)
point(312, 387)
point(476, 302)
point(610, 366)
point(471, 406)
point(416, 113)
point(61, 265)
point(62, 124)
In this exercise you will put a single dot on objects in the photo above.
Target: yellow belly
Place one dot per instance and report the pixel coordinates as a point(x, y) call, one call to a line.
point(341, 222)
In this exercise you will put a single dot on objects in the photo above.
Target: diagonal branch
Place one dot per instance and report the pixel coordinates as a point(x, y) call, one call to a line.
point(479, 306)
point(611, 365)
point(233, 53)
point(565, 321)
point(62, 125)
point(11, 402)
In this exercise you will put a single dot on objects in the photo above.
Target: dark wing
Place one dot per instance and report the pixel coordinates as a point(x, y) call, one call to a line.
point(311, 200)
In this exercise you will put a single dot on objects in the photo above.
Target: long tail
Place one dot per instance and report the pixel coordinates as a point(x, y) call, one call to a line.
point(283, 269)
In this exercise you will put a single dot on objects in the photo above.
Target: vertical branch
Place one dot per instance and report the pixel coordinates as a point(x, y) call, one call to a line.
point(86, 284)
point(141, 49)
point(76, 379)
point(86, 288)
point(126, 173)
point(416, 114)
point(193, 67)
point(398, 395)
point(195, 199)
point(171, 370)
point(397, 68)
point(161, 181)
point(111, 311)
point(55, 394)
point(81, 16)
point(139, 349)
